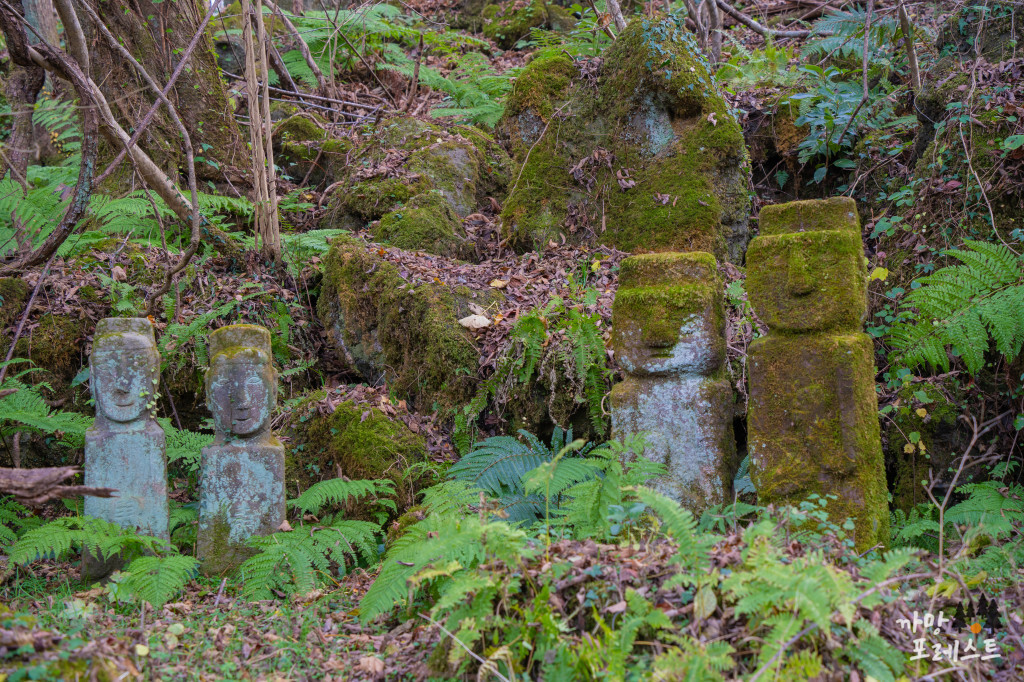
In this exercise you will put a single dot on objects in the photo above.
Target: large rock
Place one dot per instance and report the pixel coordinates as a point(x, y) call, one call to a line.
point(637, 150)
point(461, 165)
point(386, 327)
point(509, 22)
point(813, 413)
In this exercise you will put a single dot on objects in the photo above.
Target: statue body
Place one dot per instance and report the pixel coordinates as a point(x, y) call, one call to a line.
point(241, 492)
point(668, 333)
point(125, 447)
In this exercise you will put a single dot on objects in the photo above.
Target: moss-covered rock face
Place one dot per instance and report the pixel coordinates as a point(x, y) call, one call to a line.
point(14, 292)
point(807, 270)
point(426, 223)
point(813, 412)
point(355, 441)
point(55, 345)
point(410, 158)
point(507, 24)
point(646, 156)
point(813, 427)
point(305, 151)
point(385, 327)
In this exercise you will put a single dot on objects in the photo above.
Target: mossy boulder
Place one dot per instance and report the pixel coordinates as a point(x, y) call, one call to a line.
point(406, 333)
point(56, 345)
point(638, 150)
point(304, 149)
point(14, 293)
point(410, 157)
point(508, 23)
point(426, 223)
point(357, 441)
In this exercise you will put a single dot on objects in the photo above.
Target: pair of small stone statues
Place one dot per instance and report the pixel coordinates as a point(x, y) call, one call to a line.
point(242, 484)
point(812, 418)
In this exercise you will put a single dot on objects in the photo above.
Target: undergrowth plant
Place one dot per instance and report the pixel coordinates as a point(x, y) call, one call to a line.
point(155, 571)
point(966, 307)
point(290, 561)
point(558, 346)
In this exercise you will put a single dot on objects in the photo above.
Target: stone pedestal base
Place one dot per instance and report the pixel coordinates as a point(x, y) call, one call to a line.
point(688, 423)
point(813, 427)
point(133, 462)
point(241, 495)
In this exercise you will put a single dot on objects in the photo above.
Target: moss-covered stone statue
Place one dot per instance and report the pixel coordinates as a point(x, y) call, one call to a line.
point(668, 333)
point(813, 413)
point(241, 493)
point(125, 448)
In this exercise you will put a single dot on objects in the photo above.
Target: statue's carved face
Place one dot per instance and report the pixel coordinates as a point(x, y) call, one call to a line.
point(241, 394)
point(122, 373)
point(656, 339)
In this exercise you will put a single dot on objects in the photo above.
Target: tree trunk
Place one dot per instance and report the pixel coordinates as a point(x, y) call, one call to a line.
point(156, 33)
point(41, 16)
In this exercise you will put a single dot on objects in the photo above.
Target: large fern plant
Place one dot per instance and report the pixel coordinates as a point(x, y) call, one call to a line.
point(290, 561)
point(965, 307)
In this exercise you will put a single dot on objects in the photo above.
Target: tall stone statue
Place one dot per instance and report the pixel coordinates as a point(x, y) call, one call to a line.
point(813, 412)
point(668, 334)
point(241, 492)
point(125, 448)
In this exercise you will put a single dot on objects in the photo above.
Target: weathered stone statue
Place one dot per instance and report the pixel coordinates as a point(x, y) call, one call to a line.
point(813, 413)
point(125, 448)
point(668, 333)
point(241, 493)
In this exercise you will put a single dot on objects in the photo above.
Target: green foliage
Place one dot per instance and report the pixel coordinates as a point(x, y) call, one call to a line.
point(184, 446)
point(25, 409)
point(767, 66)
point(337, 491)
point(832, 110)
point(13, 521)
point(300, 247)
point(841, 34)
point(559, 346)
point(963, 306)
point(475, 93)
point(81, 533)
point(156, 579)
point(290, 560)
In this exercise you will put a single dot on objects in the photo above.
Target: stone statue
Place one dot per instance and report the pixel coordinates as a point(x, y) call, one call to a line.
point(125, 448)
point(813, 412)
point(241, 492)
point(668, 334)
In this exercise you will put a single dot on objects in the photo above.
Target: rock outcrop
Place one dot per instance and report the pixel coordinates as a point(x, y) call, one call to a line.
point(636, 150)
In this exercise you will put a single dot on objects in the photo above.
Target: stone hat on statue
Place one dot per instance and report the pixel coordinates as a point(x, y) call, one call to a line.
point(127, 331)
point(233, 338)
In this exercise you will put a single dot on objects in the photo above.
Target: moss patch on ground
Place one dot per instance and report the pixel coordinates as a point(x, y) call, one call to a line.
point(646, 157)
point(426, 223)
point(356, 441)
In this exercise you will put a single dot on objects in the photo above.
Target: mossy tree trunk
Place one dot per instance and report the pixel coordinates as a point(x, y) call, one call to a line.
point(157, 33)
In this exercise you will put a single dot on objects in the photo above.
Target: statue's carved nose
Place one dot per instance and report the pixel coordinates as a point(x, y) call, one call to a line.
point(799, 282)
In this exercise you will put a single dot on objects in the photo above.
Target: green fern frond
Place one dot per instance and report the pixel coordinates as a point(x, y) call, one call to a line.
point(338, 491)
point(965, 307)
point(157, 579)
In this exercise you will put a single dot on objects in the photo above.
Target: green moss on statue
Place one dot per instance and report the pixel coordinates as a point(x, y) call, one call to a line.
point(654, 118)
point(813, 421)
